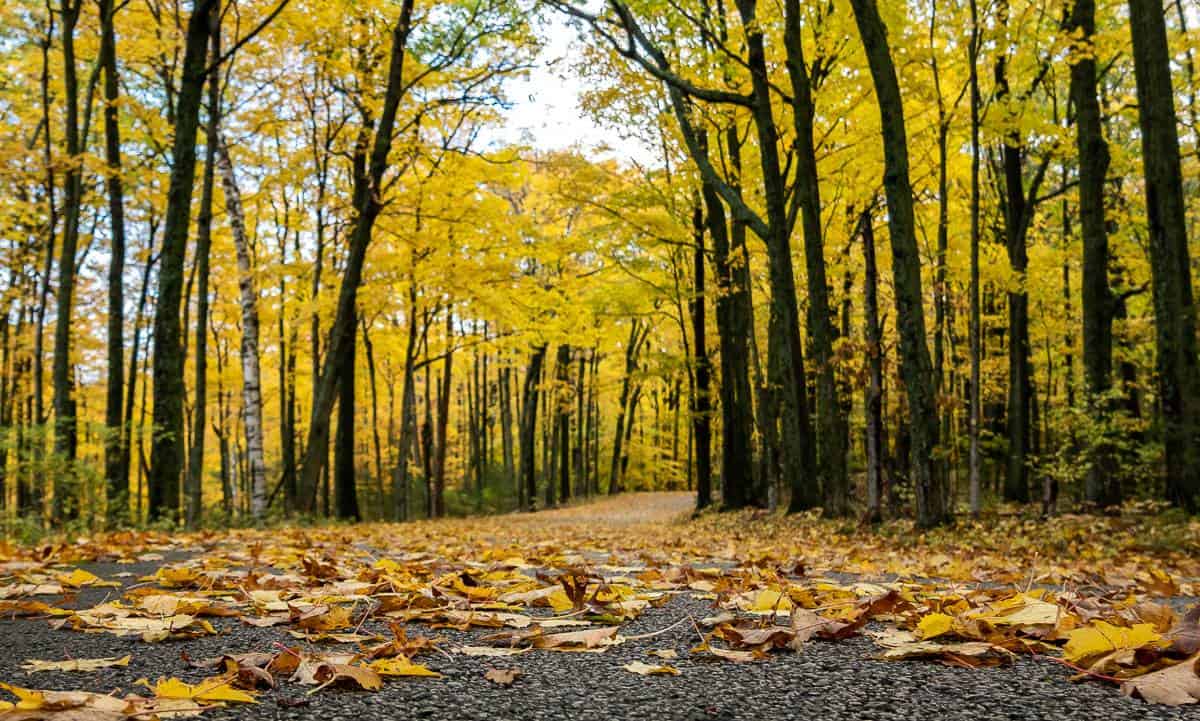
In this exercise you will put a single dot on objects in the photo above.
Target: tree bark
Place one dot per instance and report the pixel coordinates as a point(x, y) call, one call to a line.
point(906, 267)
point(367, 204)
point(1170, 260)
point(116, 475)
point(166, 447)
point(873, 397)
point(973, 320)
point(528, 431)
point(702, 410)
point(62, 375)
point(193, 491)
point(831, 450)
point(1097, 296)
point(345, 490)
point(251, 370)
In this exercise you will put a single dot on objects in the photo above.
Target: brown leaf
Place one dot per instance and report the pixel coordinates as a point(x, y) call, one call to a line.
point(1176, 685)
point(1185, 637)
point(502, 676)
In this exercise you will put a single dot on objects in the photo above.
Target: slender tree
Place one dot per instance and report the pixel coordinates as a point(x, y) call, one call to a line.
point(166, 447)
point(906, 267)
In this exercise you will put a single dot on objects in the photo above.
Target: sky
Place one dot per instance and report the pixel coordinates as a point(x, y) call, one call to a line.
point(545, 112)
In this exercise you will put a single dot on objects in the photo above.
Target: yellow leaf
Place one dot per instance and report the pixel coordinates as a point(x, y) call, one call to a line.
point(76, 664)
point(27, 699)
point(1101, 638)
point(78, 578)
point(210, 689)
point(769, 600)
point(400, 666)
point(934, 625)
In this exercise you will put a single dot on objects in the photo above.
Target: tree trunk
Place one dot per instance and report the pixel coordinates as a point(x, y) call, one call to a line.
point(439, 479)
point(1170, 261)
point(906, 267)
point(193, 491)
point(116, 475)
point(1097, 297)
point(527, 440)
point(831, 451)
point(251, 370)
point(367, 205)
point(973, 291)
point(166, 446)
point(62, 376)
point(785, 353)
point(345, 489)
point(701, 410)
point(874, 393)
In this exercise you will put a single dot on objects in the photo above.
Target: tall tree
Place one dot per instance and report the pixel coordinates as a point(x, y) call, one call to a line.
point(906, 266)
point(1170, 261)
point(251, 370)
point(368, 202)
point(115, 473)
point(1098, 301)
point(702, 412)
point(65, 423)
point(193, 486)
point(166, 446)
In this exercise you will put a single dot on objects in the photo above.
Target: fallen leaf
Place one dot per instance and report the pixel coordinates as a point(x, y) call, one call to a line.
point(502, 676)
point(75, 664)
point(1176, 685)
point(1101, 638)
point(645, 669)
point(934, 625)
point(401, 666)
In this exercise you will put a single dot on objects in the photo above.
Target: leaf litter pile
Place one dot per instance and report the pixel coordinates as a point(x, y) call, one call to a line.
point(360, 606)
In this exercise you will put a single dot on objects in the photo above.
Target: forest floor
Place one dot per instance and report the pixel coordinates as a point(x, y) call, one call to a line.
point(618, 609)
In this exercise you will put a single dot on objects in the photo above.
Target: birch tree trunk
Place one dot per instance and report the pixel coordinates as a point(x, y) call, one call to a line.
point(251, 375)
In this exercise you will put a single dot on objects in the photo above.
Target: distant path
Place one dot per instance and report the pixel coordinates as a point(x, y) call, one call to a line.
point(624, 509)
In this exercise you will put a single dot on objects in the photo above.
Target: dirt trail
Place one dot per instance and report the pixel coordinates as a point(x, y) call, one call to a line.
point(626, 509)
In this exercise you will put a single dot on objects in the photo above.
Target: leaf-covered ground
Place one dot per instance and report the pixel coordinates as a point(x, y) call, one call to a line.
point(621, 608)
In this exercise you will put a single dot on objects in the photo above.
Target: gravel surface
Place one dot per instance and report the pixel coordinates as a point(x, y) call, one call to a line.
point(830, 681)
point(825, 681)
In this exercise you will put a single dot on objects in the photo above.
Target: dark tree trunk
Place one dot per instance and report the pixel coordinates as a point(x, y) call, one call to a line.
point(906, 268)
point(734, 326)
point(439, 469)
point(345, 489)
point(702, 410)
point(873, 396)
point(367, 204)
point(831, 424)
point(785, 353)
point(116, 475)
point(1097, 296)
point(562, 420)
point(62, 375)
point(166, 446)
point(973, 290)
point(528, 431)
point(193, 483)
point(1170, 261)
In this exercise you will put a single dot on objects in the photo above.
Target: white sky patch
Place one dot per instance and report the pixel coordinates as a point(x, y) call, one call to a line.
point(546, 113)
